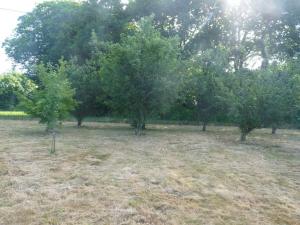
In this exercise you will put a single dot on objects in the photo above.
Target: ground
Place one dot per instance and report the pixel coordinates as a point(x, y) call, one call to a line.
point(103, 174)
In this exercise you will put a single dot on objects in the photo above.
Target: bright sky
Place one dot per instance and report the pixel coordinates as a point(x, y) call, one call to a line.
point(8, 22)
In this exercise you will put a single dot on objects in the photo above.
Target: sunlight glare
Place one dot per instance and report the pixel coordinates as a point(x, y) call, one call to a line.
point(233, 3)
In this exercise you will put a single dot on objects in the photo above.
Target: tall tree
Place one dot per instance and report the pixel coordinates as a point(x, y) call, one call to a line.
point(57, 29)
point(198, 24)
point(45, 34)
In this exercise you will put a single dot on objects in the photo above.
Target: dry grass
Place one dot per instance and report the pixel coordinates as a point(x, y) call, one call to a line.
point(103, 174)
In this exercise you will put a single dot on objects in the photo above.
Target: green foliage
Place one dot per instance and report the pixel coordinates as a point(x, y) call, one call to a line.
point(197, 24)
point(11, 85)
point(205, 87)
point(268, 97)
point(45, 34)
point(277, 103)
point(292, 68)
point(140, 73)
point(134, 69)
point(56, 29)
point(89, 93)
point(53, 100)
point(247, 102)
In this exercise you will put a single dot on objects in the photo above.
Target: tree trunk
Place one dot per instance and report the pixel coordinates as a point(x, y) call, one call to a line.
point(274, 129)
point(139, 128)
point(243, 136)
point(79, 122)
point(204, 126)
point(53, 146)
point(139, 123)
point(51, 125)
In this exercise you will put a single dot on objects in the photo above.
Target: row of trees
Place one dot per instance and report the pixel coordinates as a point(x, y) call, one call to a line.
point(189, 60)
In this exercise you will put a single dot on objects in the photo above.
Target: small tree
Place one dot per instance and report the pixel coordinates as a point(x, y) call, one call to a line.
point(89, 94)
point(52, 101)
point(206, 89)
point(292, 68)
point(140, 73)
point(277, 97)
point(247, 103)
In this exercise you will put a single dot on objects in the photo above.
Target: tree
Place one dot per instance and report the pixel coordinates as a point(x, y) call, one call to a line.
point(206, 88)
point(11, 85)
point(247, 102)
point(44, 35)
point(85, 78)
point(277, 97)
point(281, 91)
point(292, 69)
point(140, 73)
point(52, 101)
point(198, 24)
point(56, 29)
point(89, 93)
point(286, 40)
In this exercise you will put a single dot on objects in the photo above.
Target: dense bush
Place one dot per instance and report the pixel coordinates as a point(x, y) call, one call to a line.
point(12, 85)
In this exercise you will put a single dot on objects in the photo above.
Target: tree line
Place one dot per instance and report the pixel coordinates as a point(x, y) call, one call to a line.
point(180, 60)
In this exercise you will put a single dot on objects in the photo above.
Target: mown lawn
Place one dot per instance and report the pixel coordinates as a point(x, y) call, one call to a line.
point(103, 174)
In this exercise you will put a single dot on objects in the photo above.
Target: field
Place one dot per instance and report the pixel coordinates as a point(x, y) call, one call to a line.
point(103, 174)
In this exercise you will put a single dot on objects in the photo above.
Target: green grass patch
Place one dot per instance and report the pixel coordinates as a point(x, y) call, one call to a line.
point(15, 115)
